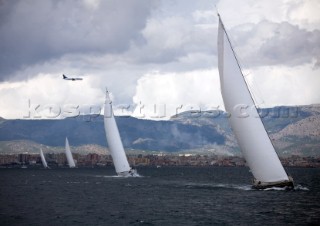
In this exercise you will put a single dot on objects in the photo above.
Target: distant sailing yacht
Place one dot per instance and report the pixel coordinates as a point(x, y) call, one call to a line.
point(69, 155)
point(43, 160)
point(119, 157)
point(250, 132)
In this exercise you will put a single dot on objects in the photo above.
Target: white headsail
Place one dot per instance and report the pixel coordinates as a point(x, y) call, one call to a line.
point(249, 130)
point(69, 155)
point(119, 157)
point(43, 160)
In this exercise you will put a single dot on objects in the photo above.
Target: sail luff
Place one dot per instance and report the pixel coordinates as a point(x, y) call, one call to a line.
point(69, 155)
point(43, 160)
point(114, 140)
point(235, 56)
point(249, 130)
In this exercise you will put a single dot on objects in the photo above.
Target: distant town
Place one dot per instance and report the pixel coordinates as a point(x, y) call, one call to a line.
point(157, 160)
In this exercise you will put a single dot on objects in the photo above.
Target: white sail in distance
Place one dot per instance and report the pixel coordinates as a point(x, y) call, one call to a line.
point(116, 149)
point(69, 155)
point(43, 159)
point(249, 130)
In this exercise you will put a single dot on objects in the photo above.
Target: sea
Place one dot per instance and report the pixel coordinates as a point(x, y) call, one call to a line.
point(160, 196)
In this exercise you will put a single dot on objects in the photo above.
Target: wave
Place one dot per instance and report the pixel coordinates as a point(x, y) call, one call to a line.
point(300, 187)
point(118, 176)
point(219, 186)
point(297, 187)
point(108, 176)
point(274, 189)
point(245, 187)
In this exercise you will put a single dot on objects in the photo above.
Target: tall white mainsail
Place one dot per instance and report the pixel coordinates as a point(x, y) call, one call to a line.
point(249, 130)
point(43, 160)
point(119, 157)
point(69, 155)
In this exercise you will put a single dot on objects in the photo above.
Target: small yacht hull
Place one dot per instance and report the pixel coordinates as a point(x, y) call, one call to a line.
point(130, 173)
point(279, 184)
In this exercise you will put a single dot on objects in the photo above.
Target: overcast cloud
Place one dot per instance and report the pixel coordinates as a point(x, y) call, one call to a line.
point(35, 31)
point(153, 51)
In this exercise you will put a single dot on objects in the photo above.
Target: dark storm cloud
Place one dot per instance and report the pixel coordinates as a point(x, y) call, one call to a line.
point(270, 43)
point(36, 31)
point(291, 45)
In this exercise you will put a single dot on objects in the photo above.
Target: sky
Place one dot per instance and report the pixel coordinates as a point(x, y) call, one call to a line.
point(156, 57)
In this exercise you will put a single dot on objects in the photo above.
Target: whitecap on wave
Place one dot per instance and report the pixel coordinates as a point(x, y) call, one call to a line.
point(296, 188)
point(108, 176)
point(300, 187)
point(117, 176)
point(274, 189)
point(242, 187)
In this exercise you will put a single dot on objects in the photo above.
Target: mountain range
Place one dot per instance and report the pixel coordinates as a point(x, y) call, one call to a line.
point(293, 130)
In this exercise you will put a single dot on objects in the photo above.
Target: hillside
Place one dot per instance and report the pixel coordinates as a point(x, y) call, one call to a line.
point(135, 133)
point(294, 130)
point(22, 146)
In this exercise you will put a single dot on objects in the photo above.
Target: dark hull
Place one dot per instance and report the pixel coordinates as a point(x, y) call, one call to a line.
point(281, 184)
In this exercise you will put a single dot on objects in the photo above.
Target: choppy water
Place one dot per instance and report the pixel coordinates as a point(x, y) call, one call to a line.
point(163, 196)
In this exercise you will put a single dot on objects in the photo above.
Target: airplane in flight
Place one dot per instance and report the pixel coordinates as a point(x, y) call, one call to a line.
point(71, 79)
